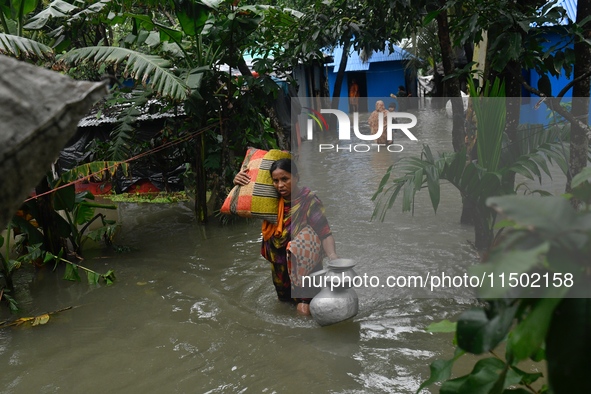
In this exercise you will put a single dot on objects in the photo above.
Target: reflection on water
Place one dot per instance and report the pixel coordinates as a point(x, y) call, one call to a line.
point(193, 308)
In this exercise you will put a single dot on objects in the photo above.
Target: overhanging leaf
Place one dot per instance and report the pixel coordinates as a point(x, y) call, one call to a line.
point(65, 198)
point(109, 277)
point(84, 213)
point(148, 69)
point(192, 15)
point(480, 380)
point(527, 378)
point(167, 34)
point(95, 169)
point(442, 326)
point(529, 335)
point(584, 175)
point(24, 48)
point(552, 216)
point(55, 9)
point(498, 270)
point(479, 331)
point(441, 370)
point(433, 186)
point(35, 236)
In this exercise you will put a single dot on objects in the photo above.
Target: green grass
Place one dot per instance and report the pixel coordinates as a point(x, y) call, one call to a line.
point(154, 198)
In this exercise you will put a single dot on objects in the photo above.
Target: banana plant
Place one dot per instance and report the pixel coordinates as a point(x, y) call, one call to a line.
point(22, 27)
point(24, 48)
point(491, 174)
point(79, 211)
point(151, 70)
point(13, 43)
point(72, 25)
point(13, 14)
point(175, 76)
point(80, 208)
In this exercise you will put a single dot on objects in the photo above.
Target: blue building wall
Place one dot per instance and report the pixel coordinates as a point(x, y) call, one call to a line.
point(542, 115)
point(381, 79)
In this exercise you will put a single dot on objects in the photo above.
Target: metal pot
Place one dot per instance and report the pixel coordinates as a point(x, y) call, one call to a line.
point(337, 301)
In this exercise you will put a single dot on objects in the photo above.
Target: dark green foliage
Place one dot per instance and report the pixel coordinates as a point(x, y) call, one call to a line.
point(552, 322)
point(568, 346)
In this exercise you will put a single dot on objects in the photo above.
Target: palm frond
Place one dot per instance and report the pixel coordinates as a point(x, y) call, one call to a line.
point(24, 48)
point(491, 113)
point(534, 148)
point(148, 69)
point(416, 174)
point(94, 168)
point(55, 9)
point(122, 135)
point(471, 179)
point(529, 164)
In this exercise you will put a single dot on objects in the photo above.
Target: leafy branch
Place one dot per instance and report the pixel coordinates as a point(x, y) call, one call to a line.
point(72, 271)
point(34, 320)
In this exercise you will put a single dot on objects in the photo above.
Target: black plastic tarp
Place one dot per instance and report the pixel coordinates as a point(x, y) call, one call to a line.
point(168, 178)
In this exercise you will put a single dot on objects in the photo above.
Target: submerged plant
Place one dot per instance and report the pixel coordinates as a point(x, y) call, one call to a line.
point(536, 301)
point(491, 173)
point(57, 224)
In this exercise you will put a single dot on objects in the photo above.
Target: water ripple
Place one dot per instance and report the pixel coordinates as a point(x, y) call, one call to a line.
point(205, 309)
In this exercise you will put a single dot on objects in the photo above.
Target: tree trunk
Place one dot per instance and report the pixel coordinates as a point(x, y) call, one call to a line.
point(513, 91)
point(51, 238)
point(468, 212)
point(483, 233)
point(451, 89)
point(218, 187)
point(451, 86)
point(336, 94)
point(200, 181)
point(243, 67)
point(579, 142)
point(283, 135)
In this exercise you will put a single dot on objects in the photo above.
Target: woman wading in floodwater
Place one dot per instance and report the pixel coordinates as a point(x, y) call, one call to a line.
point(377, 119)
point(300, 212)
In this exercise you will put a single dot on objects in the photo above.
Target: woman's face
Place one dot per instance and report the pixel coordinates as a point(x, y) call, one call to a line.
point(283, 182)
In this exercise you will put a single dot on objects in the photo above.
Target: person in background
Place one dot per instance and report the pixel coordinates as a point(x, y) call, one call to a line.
point(353, 96)
point(402, 98)
point(374, 122)
point(402, 92)
point(298, 207)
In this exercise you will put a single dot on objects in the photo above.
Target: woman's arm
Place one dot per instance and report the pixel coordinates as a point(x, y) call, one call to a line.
point(328, 245)
point(242, 178)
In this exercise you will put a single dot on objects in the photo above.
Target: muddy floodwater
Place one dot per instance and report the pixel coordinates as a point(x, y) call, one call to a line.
point(193, 309)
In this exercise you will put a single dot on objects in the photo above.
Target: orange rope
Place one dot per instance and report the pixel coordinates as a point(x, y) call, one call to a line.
point(146, 153)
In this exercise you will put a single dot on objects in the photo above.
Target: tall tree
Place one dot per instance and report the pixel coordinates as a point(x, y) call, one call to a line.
point(579, 139)
point(451, 85)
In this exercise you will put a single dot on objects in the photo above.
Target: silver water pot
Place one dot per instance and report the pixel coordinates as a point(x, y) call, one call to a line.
point(337, 301)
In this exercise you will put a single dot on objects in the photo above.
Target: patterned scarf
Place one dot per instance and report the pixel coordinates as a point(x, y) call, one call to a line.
point(290, 218)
